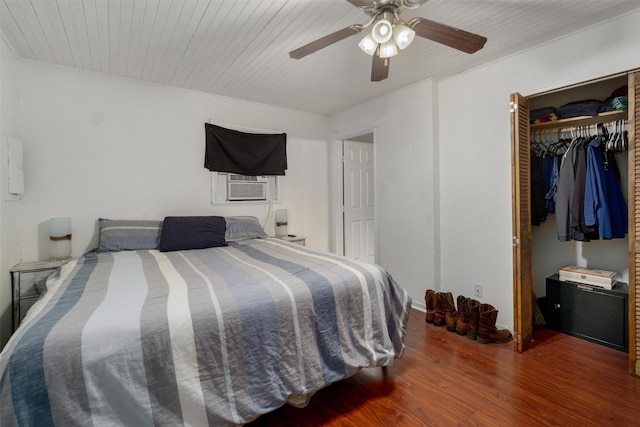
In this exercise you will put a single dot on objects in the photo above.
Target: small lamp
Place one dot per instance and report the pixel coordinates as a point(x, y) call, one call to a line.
point(59, 238)
point(281, 222)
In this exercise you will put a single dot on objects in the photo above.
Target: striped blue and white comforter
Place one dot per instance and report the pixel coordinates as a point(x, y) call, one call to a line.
point(203, 337)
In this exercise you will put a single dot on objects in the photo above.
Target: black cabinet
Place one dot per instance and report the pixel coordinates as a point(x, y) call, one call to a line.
point(589, 312)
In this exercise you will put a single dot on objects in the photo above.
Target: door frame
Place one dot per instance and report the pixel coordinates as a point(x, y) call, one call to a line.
point(337, 188)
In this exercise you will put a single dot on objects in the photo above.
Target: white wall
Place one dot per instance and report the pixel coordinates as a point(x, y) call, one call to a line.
point(405, 158)
point(9, 217)
point(444, 171)
point(97, 146)
point(475, 149)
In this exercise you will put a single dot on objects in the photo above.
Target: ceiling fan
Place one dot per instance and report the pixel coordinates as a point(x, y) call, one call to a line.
point(388, 33)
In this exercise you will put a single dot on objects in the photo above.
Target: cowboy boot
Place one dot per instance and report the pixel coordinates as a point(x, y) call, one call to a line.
point(487, 331)
point(474, 319)
point(430, 303)
point(450, 313)
point(462, 323)
point(438, 317)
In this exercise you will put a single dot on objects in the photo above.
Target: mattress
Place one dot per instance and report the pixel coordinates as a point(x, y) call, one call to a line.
point(212, 336)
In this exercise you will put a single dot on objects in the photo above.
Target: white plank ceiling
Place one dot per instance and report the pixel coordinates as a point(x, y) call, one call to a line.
point(240, 48)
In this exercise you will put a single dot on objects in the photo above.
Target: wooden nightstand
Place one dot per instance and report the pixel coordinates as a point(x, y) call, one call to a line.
point(300, 240)
point(28, 281)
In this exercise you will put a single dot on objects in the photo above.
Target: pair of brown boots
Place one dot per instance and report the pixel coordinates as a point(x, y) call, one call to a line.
point(441, 309)
point(471, 318)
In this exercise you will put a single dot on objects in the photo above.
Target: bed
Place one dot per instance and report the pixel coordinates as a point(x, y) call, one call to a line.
point(133, 335)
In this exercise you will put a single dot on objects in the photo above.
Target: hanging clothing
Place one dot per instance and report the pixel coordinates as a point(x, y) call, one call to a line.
point(604, 205)
point(582, 185)
point(579, 229)
point(550, 166)
point(617, 205)
point(566, 183)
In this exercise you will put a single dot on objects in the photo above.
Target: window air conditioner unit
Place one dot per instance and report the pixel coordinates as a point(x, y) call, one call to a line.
point(246, 187)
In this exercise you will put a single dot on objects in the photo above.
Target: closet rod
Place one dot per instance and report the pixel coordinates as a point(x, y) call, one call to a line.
point(581, 121)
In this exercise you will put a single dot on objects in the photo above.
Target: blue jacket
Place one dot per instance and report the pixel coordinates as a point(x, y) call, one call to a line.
point(604, 205)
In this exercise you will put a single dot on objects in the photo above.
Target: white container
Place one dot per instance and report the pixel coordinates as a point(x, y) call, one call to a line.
point(589, 276)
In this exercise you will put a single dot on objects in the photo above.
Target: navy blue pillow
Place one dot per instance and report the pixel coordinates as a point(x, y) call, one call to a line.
point(192, 232)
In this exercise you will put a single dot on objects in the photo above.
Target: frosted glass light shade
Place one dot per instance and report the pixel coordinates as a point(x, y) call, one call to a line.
point(388, 49)
point(368, 45)
point(60, 238)
point(382, 31)
point(281, 222)
point(403, 35)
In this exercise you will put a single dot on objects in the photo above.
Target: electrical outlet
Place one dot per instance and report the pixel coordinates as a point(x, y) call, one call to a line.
point(477, 291)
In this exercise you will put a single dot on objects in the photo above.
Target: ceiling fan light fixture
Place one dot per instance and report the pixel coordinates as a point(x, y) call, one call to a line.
point(368, 45)
point(388, 49)
point(388, 33)
point(382, 31)
point(403, 35)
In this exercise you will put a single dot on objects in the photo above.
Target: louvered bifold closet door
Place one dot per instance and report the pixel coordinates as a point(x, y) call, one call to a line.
point(634, 223)
point(521, 200)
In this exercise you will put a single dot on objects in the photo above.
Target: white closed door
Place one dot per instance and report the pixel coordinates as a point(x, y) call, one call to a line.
point(359, 200)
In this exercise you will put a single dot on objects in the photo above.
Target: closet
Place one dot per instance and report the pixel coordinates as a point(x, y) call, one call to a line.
point(537, 251)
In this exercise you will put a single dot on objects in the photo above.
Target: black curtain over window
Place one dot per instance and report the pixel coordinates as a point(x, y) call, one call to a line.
point(243, 153)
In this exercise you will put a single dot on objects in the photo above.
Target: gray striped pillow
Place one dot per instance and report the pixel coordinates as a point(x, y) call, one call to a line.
point(243, 227)
point(128, 235)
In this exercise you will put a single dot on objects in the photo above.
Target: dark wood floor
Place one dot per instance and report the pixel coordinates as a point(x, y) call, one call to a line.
point(448, 380)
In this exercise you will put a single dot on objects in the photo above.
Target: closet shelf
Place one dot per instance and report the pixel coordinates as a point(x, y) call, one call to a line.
point(581, 121)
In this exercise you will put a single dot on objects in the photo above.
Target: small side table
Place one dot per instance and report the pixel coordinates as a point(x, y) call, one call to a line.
point(300, 240)
point(28, 281)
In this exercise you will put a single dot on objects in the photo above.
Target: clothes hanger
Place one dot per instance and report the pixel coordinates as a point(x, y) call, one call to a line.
point(623, 142)
point(574, 138)
point(603, 135)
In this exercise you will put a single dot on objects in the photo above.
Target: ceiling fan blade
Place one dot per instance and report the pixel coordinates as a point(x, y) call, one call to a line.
point(449, 36)
point(325, 41)
point(361, 3)
point(414, 3)
point(410, 4)
point(379, 67)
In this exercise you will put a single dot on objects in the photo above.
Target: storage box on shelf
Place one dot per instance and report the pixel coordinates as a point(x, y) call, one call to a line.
point(588, 276)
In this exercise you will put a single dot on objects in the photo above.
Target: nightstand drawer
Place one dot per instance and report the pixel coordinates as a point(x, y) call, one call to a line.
point(25, 305)
point(28, 282)
point(32, 284)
